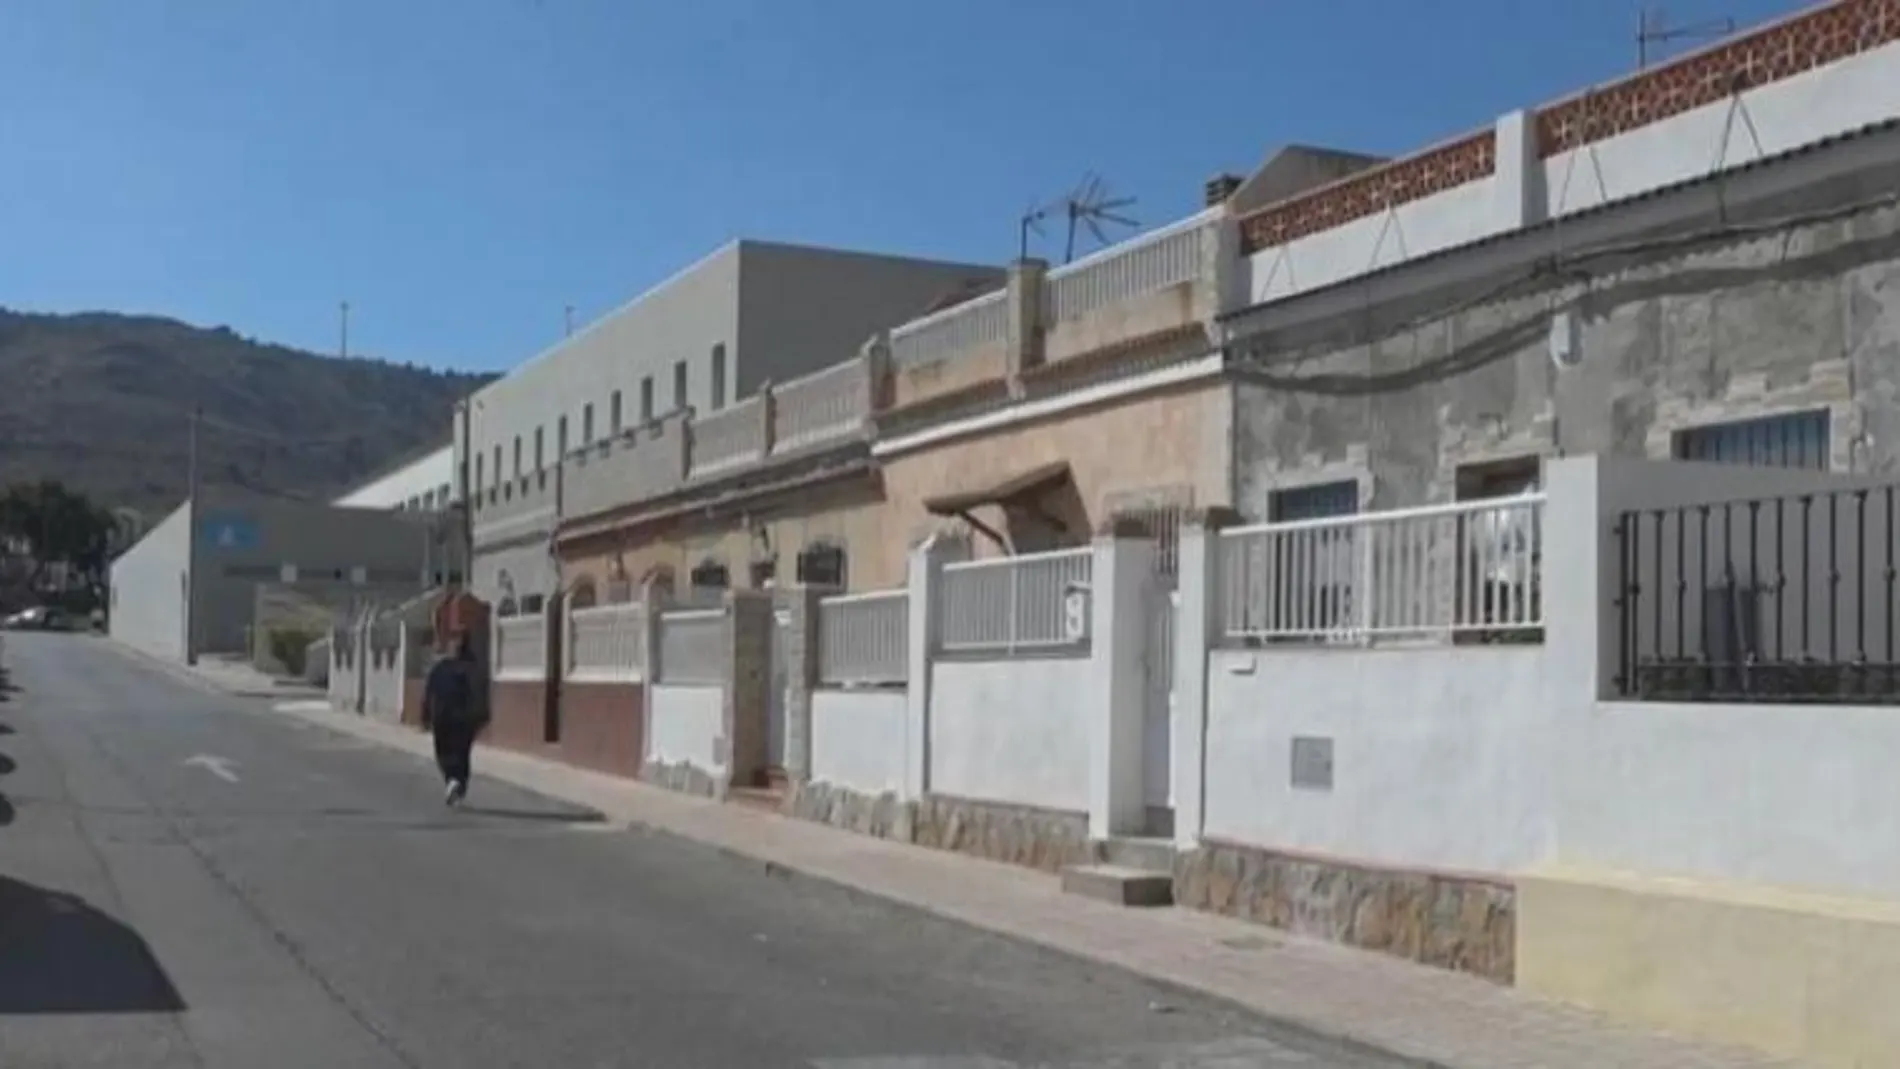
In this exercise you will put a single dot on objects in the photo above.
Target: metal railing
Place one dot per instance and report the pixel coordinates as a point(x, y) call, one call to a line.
point(521, 647)
point(729, 438)
point(864, 639)
point(1153, 261)
point(1467, 569)
point(1021, 604)
point(941, 335)
point(606, 642)
point(1775, 599)
point(828, 404)
point(692, 646)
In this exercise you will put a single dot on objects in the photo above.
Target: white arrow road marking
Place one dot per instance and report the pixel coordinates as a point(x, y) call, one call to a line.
point(217, 766)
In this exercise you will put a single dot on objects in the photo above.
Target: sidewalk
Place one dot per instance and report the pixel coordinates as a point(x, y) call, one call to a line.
point(1435, 1018)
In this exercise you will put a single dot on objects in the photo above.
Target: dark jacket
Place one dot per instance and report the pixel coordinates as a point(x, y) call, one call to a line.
point(451, 696)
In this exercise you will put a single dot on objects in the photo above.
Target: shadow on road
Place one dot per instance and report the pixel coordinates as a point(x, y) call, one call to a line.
point(570, 816)
point(63, 956)
point(7, 765)
point(7, 690)
point(6, 818)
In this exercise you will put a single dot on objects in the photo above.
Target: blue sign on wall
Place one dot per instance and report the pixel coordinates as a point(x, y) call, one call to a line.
point(229, 531)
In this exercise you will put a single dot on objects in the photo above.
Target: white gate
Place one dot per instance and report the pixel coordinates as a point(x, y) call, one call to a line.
point(775, 693)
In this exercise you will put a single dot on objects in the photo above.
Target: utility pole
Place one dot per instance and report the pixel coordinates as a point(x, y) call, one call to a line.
point(343, 349)
point(191, 542)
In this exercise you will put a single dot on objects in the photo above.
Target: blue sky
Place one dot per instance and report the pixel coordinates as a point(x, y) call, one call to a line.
point(461, 170)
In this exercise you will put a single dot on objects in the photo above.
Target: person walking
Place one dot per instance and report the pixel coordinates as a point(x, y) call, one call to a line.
point(453, 713)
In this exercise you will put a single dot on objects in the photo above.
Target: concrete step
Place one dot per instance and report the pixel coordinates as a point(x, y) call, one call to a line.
point(1137, 852)
point(1120, 885)
point(757, 798)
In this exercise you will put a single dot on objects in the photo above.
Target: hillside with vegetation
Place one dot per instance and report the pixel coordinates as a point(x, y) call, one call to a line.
point(101, 403)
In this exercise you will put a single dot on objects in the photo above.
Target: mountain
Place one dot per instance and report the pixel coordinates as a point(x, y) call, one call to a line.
point(102, 402)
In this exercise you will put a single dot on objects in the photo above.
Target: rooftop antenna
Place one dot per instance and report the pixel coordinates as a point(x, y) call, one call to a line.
point(568, 318)
point(343, 342)
point(1091, 206)
point(1652, 28)
point(1030, 222)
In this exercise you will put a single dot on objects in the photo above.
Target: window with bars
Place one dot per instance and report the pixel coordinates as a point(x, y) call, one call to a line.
point(1318, 565)
point(1793, 440)
point(822, 564)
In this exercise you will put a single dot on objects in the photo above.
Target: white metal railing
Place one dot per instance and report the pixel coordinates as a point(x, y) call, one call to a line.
point(691, 646)
point(1443, 570)
point(606, 642)
point(864, 638)
point(1016, 604)
point(1153, 261)
point(828, 404)
point(520, 647)
point(940, 335)
point(730, 437)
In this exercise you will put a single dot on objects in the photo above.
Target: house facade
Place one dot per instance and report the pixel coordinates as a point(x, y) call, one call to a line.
point(703, 342)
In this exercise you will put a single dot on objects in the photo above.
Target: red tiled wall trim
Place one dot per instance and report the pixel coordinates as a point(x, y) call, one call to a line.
point(1813, 39)
point(1792, 46)
point(1370, 192)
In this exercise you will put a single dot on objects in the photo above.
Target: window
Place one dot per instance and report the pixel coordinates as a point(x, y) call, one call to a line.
point(1321, 563)
point(497, 483)
point(822, 564)
point(613, 415)
point(478, 473)
point(646, 399)
point(587, 424)
point(517, 456)
point(1315, 502)
point(540, 456)
point(560, 438)
point(679, 385)
point(1795, 440)
point(719, 376)
point(709, 574)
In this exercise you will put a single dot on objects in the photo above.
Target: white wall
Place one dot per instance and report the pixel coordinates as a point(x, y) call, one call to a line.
point(1769, 120)
point(1791, 796)
point(1011, 731)
point(687, 726)
point(858, 739)
point(148, 585)
point(1434, 754)
point(425, 478)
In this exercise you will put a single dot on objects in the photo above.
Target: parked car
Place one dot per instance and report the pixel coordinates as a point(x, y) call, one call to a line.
point(37, 618)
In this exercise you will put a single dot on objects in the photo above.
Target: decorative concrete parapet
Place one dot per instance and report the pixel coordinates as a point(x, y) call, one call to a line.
point(1043, 839)
point(1461, 923)
point(681, 777)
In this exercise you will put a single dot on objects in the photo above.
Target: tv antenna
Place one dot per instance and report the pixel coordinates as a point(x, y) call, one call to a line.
point(1030, 222)
point(1092, 207)
point(1652, 28)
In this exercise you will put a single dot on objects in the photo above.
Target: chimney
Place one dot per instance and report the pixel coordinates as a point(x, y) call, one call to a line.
point(1220, 187)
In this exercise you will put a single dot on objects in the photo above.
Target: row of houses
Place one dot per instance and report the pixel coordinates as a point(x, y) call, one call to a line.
point(1482, 555)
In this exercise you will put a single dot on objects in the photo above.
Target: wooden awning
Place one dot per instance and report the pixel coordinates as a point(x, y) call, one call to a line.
point(1022, 484)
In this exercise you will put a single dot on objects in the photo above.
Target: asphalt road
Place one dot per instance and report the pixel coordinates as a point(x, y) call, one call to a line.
point(187, 879)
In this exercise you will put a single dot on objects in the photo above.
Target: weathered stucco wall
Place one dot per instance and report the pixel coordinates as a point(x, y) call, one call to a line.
point(1788, 320)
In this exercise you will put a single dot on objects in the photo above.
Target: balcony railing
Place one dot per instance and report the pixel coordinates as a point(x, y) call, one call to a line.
point(1147, 264)
point(829, 404)
point(1774, 599)
point(863, 639)
point(730, 438)
point(606, 642)
point(1471, 570)
point(970, 325)
point(1020, 604)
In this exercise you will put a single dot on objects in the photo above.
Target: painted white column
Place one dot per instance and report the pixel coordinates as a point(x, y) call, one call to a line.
point(1518, 174)
point(1121, 584)
point(926, 575)
point(652, 601)
point(1195, 625)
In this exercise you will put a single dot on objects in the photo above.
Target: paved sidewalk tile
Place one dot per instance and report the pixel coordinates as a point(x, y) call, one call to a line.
point(1428, 1015)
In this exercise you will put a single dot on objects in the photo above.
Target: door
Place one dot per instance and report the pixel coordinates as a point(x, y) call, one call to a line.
point(775, 695)
point(1158, 714)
